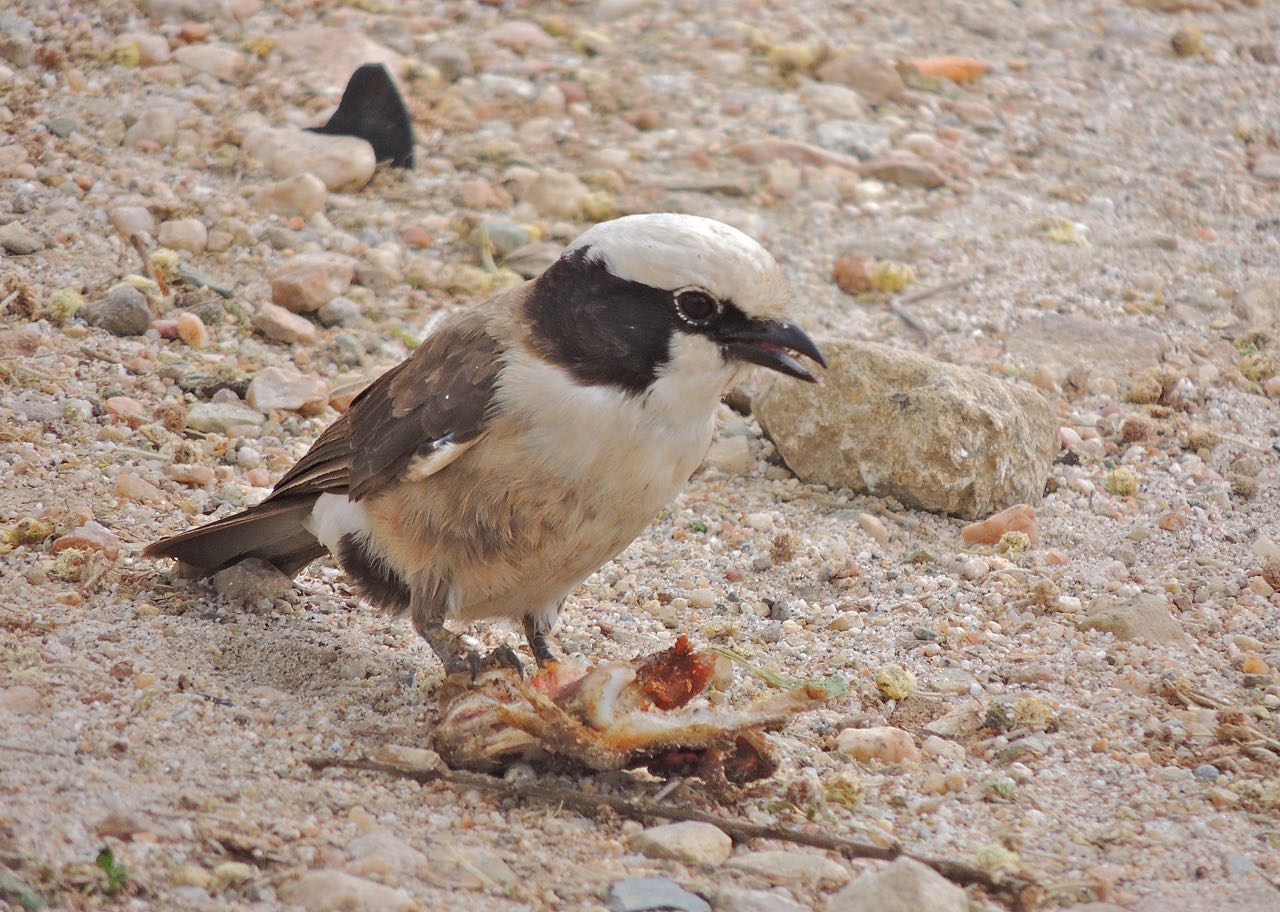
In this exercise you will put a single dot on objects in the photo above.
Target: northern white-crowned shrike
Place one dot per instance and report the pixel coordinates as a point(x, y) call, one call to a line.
point(530, 438)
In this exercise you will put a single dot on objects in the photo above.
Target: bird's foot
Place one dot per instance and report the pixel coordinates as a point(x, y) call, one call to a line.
point(539, 642)
point(458, 659)
point(502, 657)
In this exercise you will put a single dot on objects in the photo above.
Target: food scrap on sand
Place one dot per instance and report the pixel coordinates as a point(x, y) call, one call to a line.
point(618, 715)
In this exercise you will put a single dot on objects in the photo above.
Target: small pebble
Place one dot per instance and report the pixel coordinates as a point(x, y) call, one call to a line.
point(18, 240)
point(690, 842)
point(279, 325)
point(124, 311)
point(191, 330)
point(1206, 771)
point(183, 234)
point(887, 745)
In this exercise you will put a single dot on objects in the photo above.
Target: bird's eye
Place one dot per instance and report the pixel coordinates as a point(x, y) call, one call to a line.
point(697, 308)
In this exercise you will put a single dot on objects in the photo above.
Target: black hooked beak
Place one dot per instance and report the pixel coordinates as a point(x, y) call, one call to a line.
point(771, 344)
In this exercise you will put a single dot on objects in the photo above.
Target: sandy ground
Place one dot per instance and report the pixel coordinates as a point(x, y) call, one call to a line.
point(1108, 222)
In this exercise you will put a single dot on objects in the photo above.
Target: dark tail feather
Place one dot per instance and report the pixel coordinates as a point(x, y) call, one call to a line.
point(272, 531)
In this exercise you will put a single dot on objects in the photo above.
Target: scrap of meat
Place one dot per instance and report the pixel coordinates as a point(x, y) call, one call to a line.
point(618, 715)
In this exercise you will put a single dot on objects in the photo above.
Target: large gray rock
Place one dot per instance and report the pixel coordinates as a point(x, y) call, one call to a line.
point(936, 436)
point(904, 885)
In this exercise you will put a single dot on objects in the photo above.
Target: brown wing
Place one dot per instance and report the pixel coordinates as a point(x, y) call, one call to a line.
point(437, 396)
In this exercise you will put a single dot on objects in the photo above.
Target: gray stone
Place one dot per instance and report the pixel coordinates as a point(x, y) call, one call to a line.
point(904, 885)
point(218, 417)
point(18, 240)
point(1206, 771)
point(895, 423)
point(1237, 864)
point(1145, 618)
point(340, 312)
point(688, 841)
point(277, 388)
point(342, 163)
point(123, 311)
point(62, 127)
point(250, 581)
point(864, 140)
point(642, 894)
point(1064, 343)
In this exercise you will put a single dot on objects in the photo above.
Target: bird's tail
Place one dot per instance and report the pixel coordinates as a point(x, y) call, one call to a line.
point(274, 531)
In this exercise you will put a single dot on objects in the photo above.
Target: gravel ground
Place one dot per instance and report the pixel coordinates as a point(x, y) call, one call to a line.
point(1102, 220)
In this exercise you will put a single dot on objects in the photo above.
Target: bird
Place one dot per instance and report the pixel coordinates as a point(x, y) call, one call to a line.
point(530, 438)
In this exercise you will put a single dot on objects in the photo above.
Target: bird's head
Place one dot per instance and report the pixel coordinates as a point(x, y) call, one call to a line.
point(644, 297)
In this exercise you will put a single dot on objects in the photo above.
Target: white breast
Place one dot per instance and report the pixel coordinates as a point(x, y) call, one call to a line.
point(634, 452)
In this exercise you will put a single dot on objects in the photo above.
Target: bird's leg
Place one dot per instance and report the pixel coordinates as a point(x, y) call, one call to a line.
point(446, 644)
point(427, 608)
point(456, 657)
point(535, 631)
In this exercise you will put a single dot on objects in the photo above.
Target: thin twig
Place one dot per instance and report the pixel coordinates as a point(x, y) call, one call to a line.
point(22, 749)
point(898, 306)
point(148, 267)
point(1014, 888)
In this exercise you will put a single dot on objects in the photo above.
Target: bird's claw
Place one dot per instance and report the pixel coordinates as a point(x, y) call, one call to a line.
point(474, 664)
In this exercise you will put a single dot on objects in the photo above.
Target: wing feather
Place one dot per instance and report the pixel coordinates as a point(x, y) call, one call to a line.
point(437, 397)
